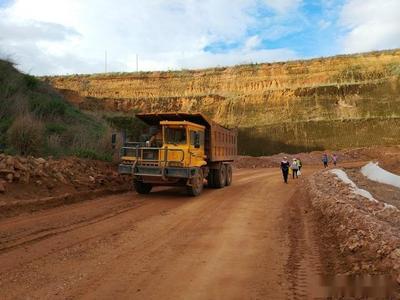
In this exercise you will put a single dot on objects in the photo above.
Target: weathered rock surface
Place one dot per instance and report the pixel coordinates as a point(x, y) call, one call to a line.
point(327, 103)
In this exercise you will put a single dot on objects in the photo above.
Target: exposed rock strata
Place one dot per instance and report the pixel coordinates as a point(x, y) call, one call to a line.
point(336, 102)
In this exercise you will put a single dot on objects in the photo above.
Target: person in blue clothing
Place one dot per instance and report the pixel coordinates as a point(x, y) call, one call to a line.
point(285, 165)
point(325, 160)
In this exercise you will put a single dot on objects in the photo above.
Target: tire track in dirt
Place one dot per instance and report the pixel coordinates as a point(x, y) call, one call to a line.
point(153, 256)
point(249, 241)
point(27, 236)
point(305, 265)
point(41, 234)
point(206, 212)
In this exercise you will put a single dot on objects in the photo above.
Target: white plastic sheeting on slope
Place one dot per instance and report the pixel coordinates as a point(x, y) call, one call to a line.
point(343, 177)
point(373, 172)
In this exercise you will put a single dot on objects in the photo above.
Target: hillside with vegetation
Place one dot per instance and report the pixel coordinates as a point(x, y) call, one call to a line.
point(36, 120)
point(325, 103)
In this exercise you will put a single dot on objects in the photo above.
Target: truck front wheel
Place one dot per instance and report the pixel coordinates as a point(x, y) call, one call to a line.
point(196, 186)
point(142, 187)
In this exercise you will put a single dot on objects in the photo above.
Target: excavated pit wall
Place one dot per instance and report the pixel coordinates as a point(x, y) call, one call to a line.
point(327, 103)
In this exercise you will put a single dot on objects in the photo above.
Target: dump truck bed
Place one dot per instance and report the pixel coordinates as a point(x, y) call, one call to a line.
point(220, 142)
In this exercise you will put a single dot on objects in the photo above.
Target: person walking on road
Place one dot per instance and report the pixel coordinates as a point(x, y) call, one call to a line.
point(295, 168)
point(285, 165)
point(325, 160)
point(299, 164)
point(334, 159)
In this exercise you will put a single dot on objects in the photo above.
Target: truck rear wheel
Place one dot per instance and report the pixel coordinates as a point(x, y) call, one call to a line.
point(196, 186)
point(142, 187)
point(220, 177)
point(228, 175)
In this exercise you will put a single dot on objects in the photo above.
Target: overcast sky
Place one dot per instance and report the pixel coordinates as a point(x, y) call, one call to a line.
point(71, 36)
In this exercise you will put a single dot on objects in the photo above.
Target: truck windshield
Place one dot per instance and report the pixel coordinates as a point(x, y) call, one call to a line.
point(175, 135)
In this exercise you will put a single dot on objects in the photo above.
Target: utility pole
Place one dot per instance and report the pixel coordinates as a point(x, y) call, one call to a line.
point(137, 63)
point(105, 61)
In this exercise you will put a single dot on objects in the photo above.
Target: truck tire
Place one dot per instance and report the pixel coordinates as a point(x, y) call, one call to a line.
point(142, 187)
point(228, 181)
point(220, 177)
point(196, 186)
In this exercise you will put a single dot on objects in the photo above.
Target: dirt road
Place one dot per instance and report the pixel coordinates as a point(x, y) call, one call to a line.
point(253, 240)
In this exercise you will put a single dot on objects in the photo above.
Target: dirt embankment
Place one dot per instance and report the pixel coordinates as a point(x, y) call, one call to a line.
point(367, 230)
point(388, 157)
point(28, 180)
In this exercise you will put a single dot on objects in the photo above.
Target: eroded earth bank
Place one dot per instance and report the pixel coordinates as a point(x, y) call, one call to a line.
point(257, 239)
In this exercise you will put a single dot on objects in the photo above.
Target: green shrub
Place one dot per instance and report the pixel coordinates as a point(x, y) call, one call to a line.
point(26, 135)
point(132, 126)
point(55, 128)
point(5, 123)
point(31, 82)
point(92, 154)
point(46, 107)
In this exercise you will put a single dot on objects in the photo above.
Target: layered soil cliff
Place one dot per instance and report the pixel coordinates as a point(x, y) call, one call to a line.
point(326, 103)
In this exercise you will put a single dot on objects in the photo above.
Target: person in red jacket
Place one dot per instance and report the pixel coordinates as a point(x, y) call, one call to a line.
point(285, 165)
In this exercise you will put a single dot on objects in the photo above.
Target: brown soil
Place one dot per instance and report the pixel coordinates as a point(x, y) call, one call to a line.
point(30, 181)
point(388, 157)
point(367, 231)
point(257, 239)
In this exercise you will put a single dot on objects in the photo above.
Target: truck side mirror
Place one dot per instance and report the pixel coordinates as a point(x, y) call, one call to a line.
point(196, 140)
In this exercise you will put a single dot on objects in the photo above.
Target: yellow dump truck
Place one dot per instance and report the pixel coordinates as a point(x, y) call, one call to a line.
point(184, 150)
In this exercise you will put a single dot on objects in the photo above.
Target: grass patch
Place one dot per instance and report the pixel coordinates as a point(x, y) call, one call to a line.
point(92, 154)
point(44, 106)
point(55, 128)
point(31, 82)
point(35, 119)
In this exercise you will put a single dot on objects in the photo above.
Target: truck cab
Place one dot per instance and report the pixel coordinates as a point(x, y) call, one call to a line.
point(185, 136)
point(178, 153)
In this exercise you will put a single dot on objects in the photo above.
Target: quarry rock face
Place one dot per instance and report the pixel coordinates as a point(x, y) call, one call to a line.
point(327, 103)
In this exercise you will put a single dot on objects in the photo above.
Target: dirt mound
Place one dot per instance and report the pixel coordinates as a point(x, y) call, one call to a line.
point(367, 230)
point(388, 157)
point(27, 178)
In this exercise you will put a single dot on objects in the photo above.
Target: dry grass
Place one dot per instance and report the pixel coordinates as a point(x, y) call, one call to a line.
point(26, 135)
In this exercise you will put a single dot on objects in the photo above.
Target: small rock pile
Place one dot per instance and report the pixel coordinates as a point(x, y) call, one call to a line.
point(52, 172)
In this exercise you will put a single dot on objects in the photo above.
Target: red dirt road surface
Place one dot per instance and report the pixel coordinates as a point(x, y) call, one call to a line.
point(254, 240)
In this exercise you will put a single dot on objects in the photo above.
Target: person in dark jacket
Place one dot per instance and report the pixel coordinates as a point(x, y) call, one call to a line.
point(325, 160)
point(285, 165)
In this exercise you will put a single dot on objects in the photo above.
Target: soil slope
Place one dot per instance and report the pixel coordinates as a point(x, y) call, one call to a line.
point(327, 103)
